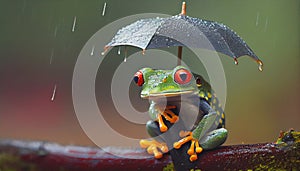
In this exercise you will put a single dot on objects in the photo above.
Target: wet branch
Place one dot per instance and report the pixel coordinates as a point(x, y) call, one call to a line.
point(24, 155)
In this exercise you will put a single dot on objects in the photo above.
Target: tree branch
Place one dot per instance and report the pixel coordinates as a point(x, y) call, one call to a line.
point(24, 155)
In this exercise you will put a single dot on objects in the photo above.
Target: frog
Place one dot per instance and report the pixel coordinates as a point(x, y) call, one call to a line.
point(176, 95)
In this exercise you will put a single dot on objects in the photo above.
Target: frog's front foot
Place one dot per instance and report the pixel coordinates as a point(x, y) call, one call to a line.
point(154, 147)
point(168, 115)
point(194, 147)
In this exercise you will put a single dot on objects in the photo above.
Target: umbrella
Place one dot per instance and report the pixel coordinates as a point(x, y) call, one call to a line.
point(181, 30)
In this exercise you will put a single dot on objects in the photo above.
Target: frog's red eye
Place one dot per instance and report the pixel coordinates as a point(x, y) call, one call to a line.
point(182, 76)
point(138, 78)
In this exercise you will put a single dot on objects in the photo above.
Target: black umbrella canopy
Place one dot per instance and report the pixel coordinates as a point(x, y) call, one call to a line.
point(181, 30)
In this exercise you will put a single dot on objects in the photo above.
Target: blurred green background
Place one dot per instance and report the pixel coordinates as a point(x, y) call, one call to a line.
point(38, 52)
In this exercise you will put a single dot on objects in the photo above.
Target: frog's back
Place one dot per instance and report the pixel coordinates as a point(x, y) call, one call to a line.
point(206, 93)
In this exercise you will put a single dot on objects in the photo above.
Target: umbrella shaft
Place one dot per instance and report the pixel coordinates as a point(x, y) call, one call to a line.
point(179, 55)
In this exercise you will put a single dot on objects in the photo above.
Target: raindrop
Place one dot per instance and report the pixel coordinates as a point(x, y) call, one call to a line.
point(257, 18)
point(53, 93)
point(119, 50)
point(51, 57)
point(55, 31)
point(92, 52)
point(266, 24)
point(260, 67)
point(125, 54)
point(104, 8)
point(24, 6)
point(235, 61)
point(74, 24)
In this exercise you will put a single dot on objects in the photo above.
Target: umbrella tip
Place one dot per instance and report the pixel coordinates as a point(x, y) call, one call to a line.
point(183, 8)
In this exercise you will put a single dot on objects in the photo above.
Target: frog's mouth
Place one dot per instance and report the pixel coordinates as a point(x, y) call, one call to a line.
point(167, 94)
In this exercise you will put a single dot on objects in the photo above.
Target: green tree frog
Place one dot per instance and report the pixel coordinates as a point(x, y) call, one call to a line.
point(180, 96)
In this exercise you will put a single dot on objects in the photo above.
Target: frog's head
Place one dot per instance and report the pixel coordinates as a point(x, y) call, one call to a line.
point(167, 83)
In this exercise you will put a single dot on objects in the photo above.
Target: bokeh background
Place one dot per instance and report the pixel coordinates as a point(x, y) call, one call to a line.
point(39, 49)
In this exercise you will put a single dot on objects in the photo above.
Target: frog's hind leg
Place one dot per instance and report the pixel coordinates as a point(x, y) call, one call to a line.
point(154, 146)
point(206, 131)
point(202, 138)
point(214, 139)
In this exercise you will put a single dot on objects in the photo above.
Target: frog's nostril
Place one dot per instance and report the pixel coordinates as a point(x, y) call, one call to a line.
point(164, 80)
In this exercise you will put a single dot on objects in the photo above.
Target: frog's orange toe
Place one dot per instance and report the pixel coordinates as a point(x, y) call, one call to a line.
point(154, 147)
point(162, 126)
point(193, 157)
point(170, 116)
point(145, 143)
point(179, 143)
point(194, 147)
point(158, 155)
point(198, 148)
point(164, 148)
point(191, 150)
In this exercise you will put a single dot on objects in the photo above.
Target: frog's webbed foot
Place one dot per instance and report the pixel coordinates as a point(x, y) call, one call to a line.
point(154, 147)
point(168, 114)
point(194, 147)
